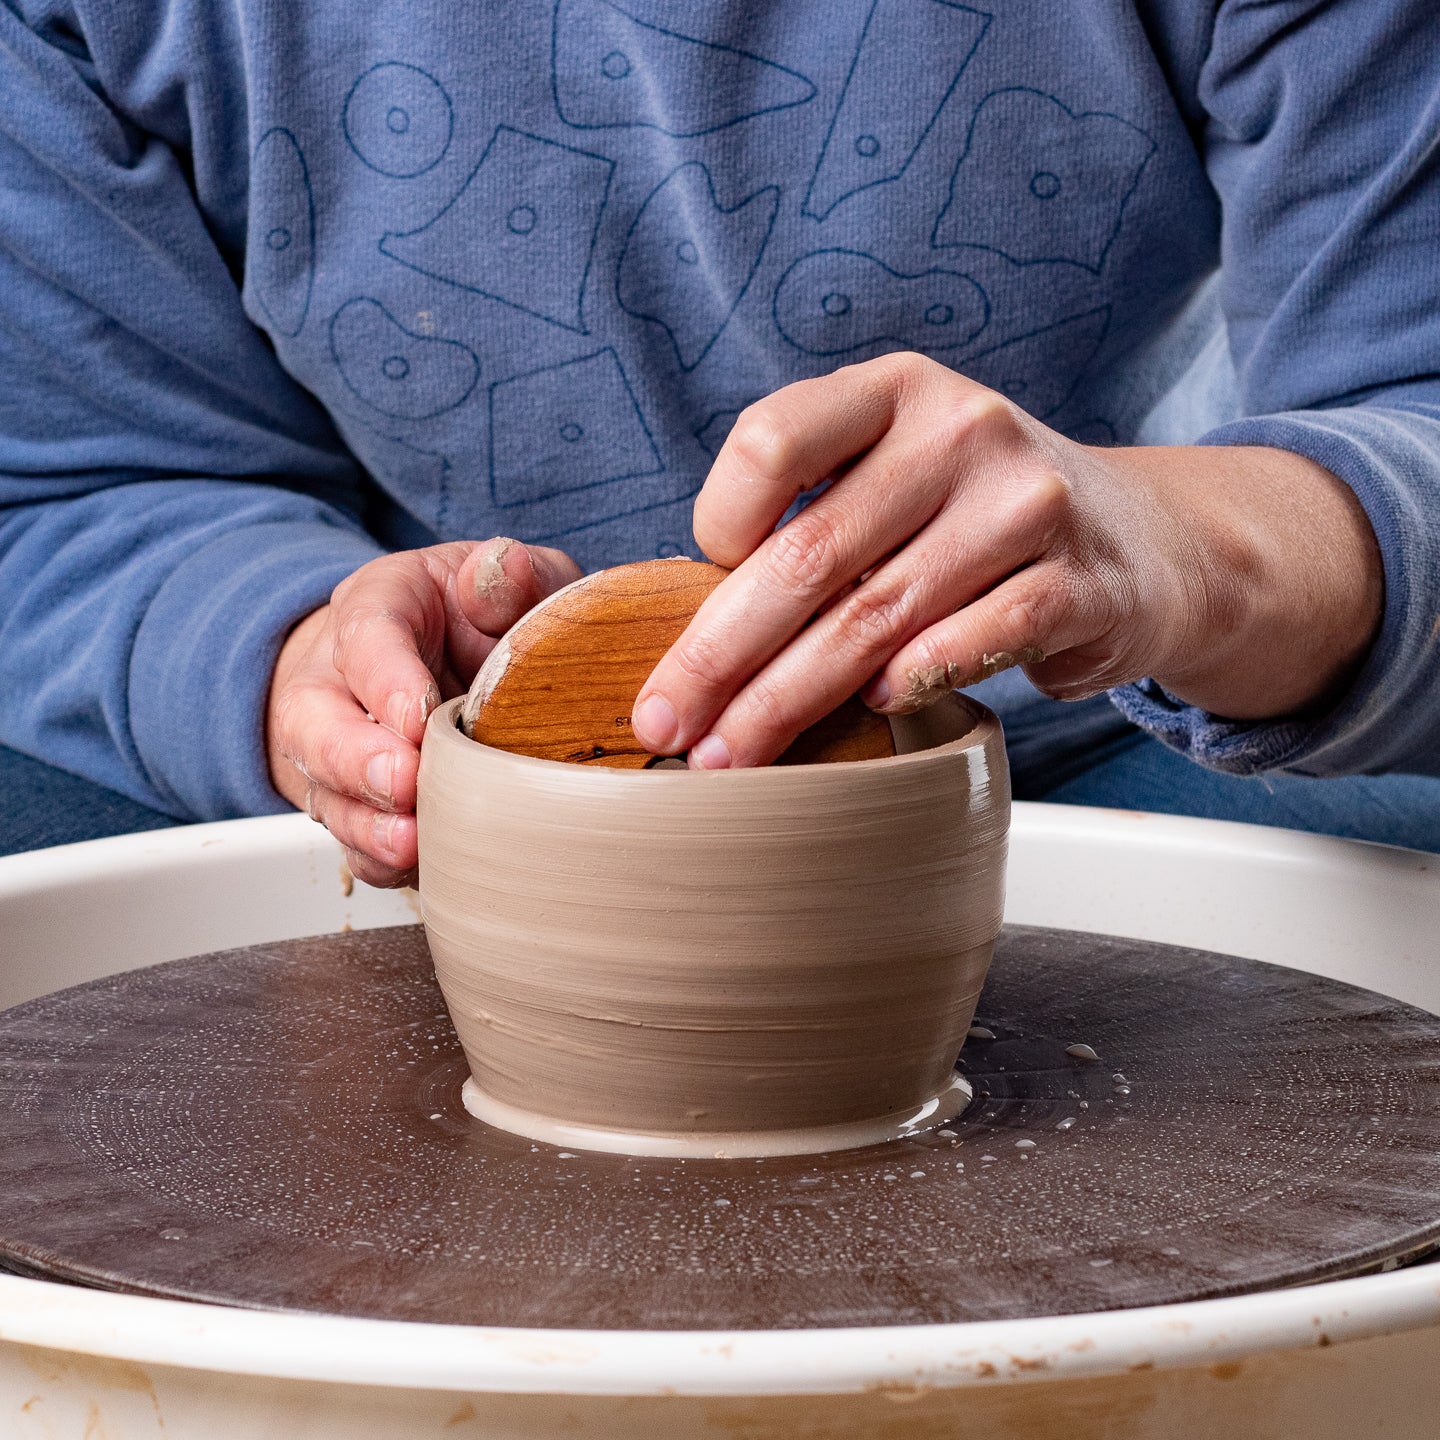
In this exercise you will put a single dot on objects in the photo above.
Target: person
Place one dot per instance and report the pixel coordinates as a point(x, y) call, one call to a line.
point(1086, 353)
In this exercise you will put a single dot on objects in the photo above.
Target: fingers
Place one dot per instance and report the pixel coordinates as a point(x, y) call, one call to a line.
point(502, 579)
point(382, 616)
point(753, 668)
point(381, 848)
point(796, 573)
point(357, 680)
point(322, 730)
point(789, 443)
point(1039, 613)
point(405, 621)
point(945, 568)
point(949, 440)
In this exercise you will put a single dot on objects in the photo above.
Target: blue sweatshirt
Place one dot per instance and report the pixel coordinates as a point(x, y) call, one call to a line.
point(285, 285)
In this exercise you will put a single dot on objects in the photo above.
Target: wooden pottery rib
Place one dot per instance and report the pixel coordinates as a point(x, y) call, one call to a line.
point(561, 685)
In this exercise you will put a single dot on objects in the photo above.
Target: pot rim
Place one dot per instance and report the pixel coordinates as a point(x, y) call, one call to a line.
point(443, 728)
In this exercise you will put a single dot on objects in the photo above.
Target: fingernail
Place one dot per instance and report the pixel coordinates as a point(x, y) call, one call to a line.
point(384, 827)
point(711, 753)
point(490, 573)
point(380, 776)
point(876, 693)
point(655, 723)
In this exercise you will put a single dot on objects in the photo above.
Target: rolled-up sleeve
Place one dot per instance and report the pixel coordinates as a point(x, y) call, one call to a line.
point(1323, 142)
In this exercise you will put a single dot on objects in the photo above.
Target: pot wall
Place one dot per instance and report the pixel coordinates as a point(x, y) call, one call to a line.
point(688, 951)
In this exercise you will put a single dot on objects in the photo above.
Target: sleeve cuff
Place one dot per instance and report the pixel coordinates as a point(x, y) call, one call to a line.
point(204, 653)
point(1388, 719)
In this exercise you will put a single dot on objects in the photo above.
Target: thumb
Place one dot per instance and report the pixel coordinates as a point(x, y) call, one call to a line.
point(502, 579)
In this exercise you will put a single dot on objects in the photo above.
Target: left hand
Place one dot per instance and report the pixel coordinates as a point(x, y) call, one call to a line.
point(960, 536)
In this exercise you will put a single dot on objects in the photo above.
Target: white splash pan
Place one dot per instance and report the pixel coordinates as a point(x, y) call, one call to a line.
point(1353, 1358)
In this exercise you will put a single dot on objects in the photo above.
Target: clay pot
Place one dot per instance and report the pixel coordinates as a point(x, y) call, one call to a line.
point(715, 962)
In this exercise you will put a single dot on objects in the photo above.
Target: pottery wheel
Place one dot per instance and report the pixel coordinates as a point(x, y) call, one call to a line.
point(281, 1127)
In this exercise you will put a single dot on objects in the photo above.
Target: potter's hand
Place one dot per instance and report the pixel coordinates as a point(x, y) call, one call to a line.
point(357, 679)
point(960, 536)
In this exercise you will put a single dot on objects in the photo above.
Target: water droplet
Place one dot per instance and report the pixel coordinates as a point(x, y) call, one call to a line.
point(1066, 1123)
point(1024, 1144)
point(1081, 1052)
point(980, 1032)
point(917, 1174)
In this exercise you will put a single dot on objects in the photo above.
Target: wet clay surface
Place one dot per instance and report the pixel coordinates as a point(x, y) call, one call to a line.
point(717, 954)
point(281, 1127)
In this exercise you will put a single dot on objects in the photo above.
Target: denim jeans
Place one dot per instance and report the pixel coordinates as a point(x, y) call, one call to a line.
point(41, 806)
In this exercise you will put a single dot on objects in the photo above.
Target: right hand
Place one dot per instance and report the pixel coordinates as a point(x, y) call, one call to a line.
point(357, 679)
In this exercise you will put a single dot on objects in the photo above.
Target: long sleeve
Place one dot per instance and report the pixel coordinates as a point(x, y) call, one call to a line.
point(171, 502)
point(1323, 142)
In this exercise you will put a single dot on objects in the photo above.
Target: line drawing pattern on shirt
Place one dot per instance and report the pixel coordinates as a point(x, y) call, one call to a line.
point(833, 301)
point(566, 427)
point(280, 263)
point(610, 69)
point(398, 119)
point(1040, 369)
point(1047, 185)
point(520, 230)
point(394, 370)
point(879, 124)
point(688, 261)
point(649, 525)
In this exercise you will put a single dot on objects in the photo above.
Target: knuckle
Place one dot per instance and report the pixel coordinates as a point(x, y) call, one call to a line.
point(702, 662)
point(991, 412)
point(314, 803)
point(764, 441)
point(903, 368)
point(342, 820)
point(348, 630)
point(906, 376)
point(1048, 500)
point(984, 415)
point(930, 657)
point(877, 613)
point(286, 710)
point(329, 762)
point(1024, 615)
point(807, 554)
point(344, 592)
point(769, 708)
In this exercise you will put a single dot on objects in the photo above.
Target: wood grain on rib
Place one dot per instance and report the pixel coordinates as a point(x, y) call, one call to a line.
point(563, 682)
